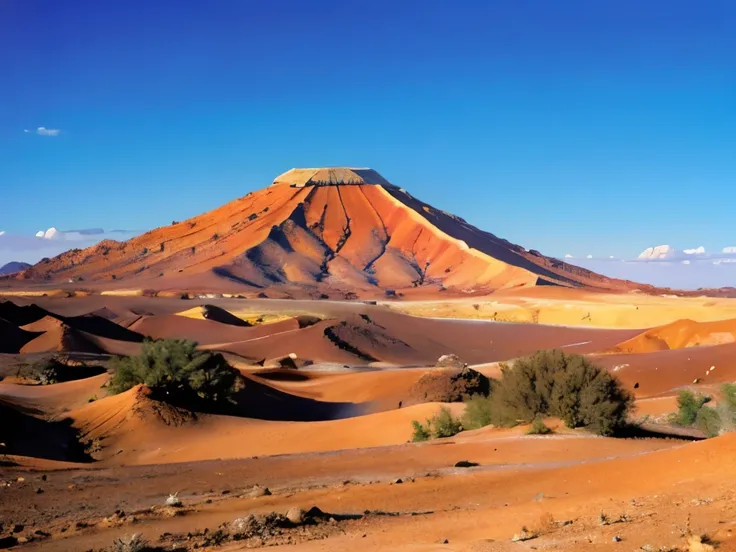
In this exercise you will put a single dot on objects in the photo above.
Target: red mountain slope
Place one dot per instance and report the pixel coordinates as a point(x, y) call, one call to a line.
point(339, 228)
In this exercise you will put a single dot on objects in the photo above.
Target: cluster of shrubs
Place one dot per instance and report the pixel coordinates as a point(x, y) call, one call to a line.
point(548, 383)
point(693, 411)
point(177, 371)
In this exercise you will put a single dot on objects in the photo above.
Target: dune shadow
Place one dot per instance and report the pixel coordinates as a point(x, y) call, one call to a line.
point(260, 401)
point(282, 375)
point(26, 435)
point(102, 327)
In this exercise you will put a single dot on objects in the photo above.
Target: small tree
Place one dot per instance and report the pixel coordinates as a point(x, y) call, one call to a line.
point(421, 433)
point(477, 412)
point(177, 369)
point(444, 424)
point(708, 421)
point(572, 388)
point(688, 405)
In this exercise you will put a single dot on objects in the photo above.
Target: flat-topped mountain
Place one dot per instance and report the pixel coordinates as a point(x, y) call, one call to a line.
point(346, 229)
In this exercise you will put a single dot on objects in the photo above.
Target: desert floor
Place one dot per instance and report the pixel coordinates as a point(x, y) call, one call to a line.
point(332, 431)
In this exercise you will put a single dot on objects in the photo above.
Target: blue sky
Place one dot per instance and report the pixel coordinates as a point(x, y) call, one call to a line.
point(570, 126)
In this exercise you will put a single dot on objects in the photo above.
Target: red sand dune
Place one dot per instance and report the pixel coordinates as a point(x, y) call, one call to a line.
point(346, 229)
point(679, 335)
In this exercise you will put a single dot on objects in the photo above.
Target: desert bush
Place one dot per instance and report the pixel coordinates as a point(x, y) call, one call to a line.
point(538, 428)
point(442, 424)
point(176, 368)
point(570, 387)
point(477, 412)
point(729, 395)
point(421, 432)
point(708, 421)
point(688, 405)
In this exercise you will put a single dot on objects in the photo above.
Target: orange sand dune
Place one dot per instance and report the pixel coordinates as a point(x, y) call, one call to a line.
point(679, 335)
point(57, 398)
point(137, 430)
point(58, 336)
point(663, 371)
point(205, 332)
point(349, 236)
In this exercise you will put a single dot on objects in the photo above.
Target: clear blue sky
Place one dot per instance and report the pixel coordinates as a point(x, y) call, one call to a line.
point(566, 126)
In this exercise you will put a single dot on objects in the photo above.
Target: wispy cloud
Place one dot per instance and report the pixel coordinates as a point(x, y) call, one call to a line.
point(43, 131)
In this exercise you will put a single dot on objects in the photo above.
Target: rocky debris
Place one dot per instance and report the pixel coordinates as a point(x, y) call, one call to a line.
point(448, 385)
point(257, 491)
point(450, 361)
point(466, 464)
point(523, 535)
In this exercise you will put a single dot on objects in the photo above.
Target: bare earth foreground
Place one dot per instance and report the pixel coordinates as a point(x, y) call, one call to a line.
point(332, 430)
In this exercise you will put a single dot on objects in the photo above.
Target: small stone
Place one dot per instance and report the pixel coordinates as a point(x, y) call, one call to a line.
point(295, 515)
point(398, 481)
point(258, 491)
point(466, 464)
point(39, 491)
point(615, 538)
point(44, 478)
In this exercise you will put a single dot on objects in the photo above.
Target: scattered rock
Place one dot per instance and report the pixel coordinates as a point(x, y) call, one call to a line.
point(523, 535)
point(173, 500)
point(616, 538)
point(398, 481)
point(257, 491)
point(39, 491)
point(18, 527)
point(450, 361)
point(295, 515)
point(466, 464)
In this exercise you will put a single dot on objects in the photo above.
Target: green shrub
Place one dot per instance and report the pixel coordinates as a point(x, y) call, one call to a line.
point(729, 395)
point(708, 421)
point(176, 369)
point(444, 424)
point(538, 428)
point(572, 388)
point(477, 412)
point(688, 405)
point(421, 432)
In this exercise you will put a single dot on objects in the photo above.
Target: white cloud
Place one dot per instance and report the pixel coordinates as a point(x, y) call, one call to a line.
point(568, 256)
point(667, 266)
point(43, 131)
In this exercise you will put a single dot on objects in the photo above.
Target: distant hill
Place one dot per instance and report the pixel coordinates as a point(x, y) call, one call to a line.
point(14, 266)
point(321, 229)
